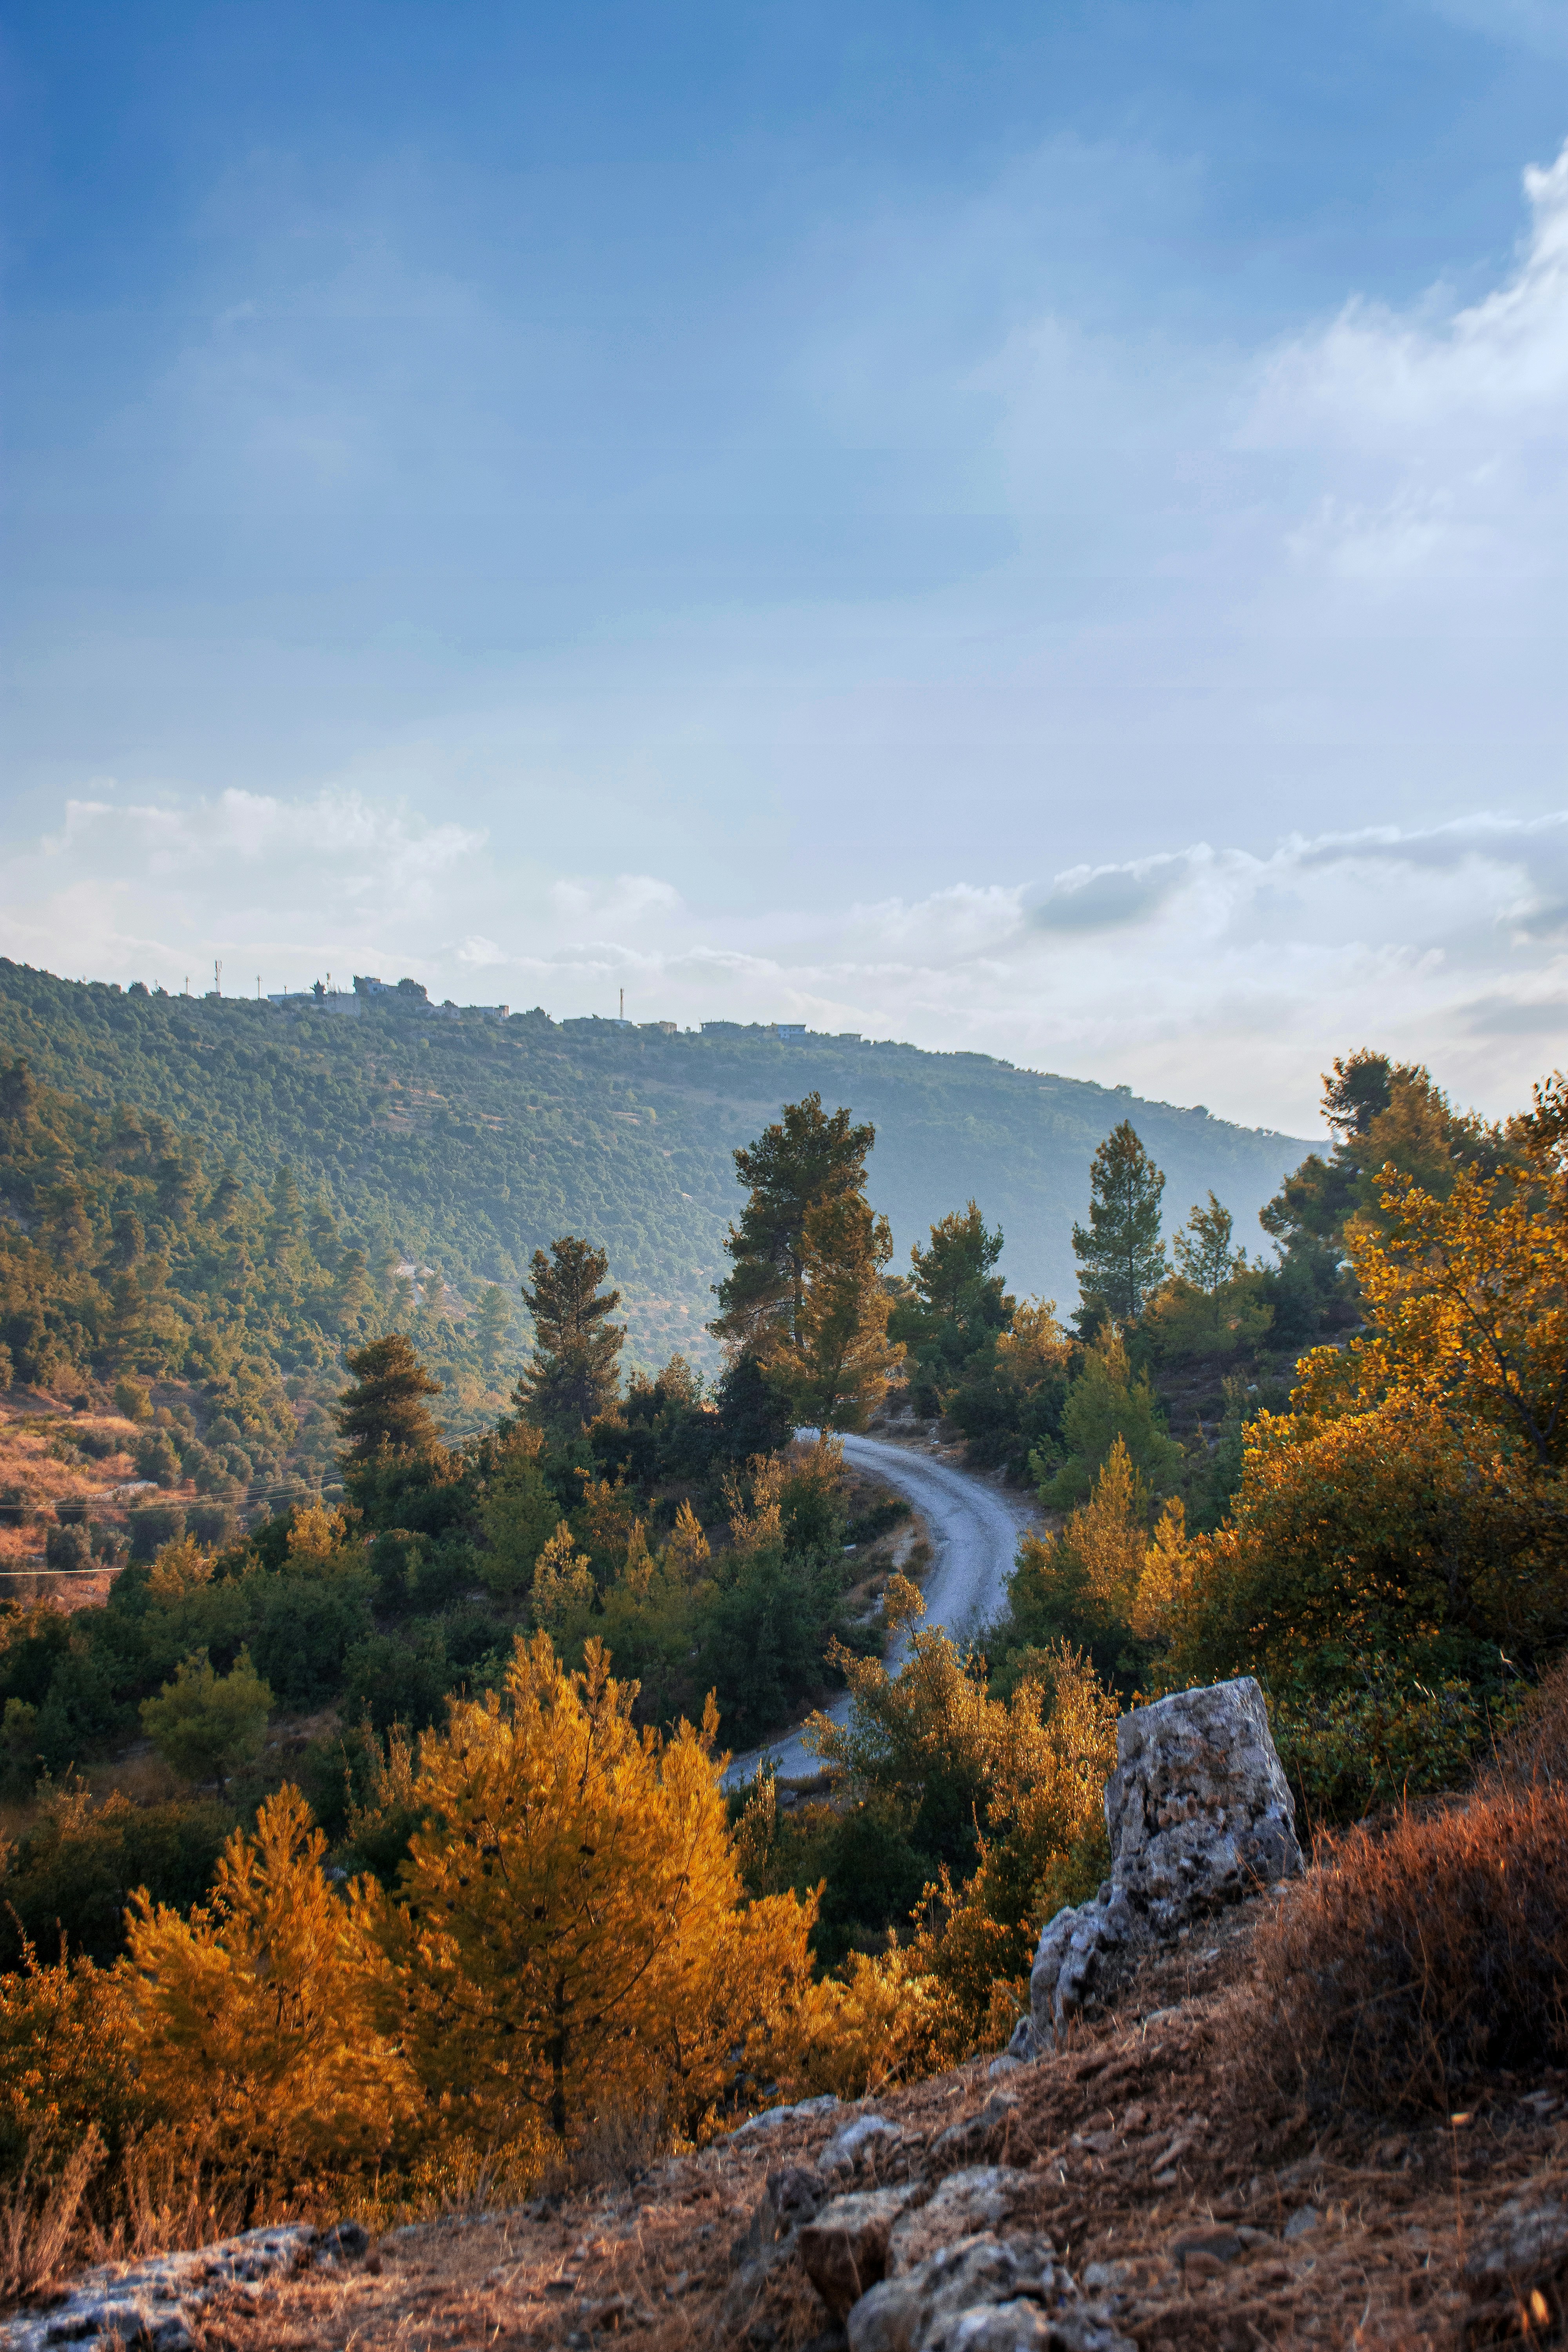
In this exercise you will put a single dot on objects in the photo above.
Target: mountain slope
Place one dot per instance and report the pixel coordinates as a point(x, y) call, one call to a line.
point(461, 1142)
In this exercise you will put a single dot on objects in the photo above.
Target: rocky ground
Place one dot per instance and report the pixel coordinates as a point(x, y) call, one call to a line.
point(1132, 2188)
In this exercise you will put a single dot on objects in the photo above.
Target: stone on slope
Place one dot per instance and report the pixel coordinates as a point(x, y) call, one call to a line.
point(1198, 1808)
point(966, 2205)
point(152, 2304)
point(845, 2248)
point(982, 2294)
point(866, 2135)
point(1199, 1814)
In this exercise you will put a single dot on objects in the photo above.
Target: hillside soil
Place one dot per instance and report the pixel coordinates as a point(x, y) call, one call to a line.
point(1200, 2213)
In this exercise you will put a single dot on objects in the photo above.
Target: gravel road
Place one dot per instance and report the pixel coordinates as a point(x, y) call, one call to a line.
point(975, 1529)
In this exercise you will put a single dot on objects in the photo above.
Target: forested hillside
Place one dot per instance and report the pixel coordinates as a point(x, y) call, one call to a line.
point(460, 1143)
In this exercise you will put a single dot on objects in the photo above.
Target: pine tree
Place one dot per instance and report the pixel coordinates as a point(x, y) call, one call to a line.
point(572, 1375)
point(204, 1724)
point(806, 1159)
point(286, 1219)
point(1121, 1255)
point(385, 1410)
point(569, 1940)
point(837, 1366)
point(954, 1277)
point(1203, 1251)
point(251, 2021)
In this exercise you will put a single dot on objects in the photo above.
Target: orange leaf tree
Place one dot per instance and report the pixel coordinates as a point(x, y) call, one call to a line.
point(1414, 1498)
point(569, 1937)
point(252, 2018)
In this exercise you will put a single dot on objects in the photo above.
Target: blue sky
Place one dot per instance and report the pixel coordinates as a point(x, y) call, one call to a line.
point(1031, 529)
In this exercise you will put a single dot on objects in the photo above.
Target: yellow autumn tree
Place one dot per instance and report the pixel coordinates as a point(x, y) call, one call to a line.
point(252, 2021)
point(562, 1585)
point(1100, 1578)
point(1411, 1499)
point(1029, 1773)
point(568, 1938)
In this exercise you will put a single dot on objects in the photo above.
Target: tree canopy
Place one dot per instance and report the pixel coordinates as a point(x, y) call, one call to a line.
point(1122, 1257)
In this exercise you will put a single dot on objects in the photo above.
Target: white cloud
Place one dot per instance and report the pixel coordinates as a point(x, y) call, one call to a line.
point(1209, 972)
point(628, 899)
point(1438, 435)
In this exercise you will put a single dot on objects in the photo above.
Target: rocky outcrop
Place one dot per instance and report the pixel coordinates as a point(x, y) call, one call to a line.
point(153, 2304)
point(1199, 1814)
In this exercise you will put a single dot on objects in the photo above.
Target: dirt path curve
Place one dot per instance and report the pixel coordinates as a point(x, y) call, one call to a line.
point(975, 1529)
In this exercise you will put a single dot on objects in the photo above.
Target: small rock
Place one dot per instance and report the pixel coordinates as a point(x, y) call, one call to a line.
point(1006, 2064)
point(967, 2204)
point(345, 2242)
point(1301, 2224)
point(987, 2294)
point(773, 2118)
point(790, 2197)
point(1529, 2242)
point(845, 2249)
point(865, 2136)
point(1205, 2252)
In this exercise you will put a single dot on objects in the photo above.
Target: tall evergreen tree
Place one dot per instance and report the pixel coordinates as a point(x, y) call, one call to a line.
point(1204, 1247)
point(573, 1374)
point(808, 1156)
point(1121, 1255)
point(838, 1365)
point(385, 1410)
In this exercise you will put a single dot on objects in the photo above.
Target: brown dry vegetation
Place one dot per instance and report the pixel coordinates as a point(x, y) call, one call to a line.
point(29, 1466)
point(1161, 2163)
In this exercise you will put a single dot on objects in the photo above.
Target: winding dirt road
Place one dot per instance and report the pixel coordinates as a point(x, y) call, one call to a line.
point(975, 1529)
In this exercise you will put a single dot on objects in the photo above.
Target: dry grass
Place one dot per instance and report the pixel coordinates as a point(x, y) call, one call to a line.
point(168, 2200)
point(37, 2225)
point(1535, 1753)
point(27, 1425)
point(1410, 1965)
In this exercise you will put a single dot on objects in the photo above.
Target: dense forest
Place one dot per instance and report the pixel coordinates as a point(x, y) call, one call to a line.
point(294, 1632)
point(453, 1145)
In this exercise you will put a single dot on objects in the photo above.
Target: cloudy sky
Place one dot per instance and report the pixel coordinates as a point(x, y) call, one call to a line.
point(1039, 529)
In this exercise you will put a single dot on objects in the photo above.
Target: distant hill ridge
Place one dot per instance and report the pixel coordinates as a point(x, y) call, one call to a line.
point(467, 1140)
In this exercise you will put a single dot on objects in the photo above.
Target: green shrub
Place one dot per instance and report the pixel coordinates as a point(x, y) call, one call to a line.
point(76, 1867)
point(154, 1525)
point(206, 1725)
point(306, 1627)
point(399, 1678)
point(1351, 1752)
point(69, 1548)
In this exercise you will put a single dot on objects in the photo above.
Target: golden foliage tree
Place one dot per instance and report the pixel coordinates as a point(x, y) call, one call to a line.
point(563, 1584)
point(568, 1936)
point(1030, 1773)
point(1415, 1492)
point(252, 2020)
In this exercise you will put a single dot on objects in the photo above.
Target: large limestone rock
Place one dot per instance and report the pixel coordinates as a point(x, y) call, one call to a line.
point(1199, 1813)
point(1198, 1808)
